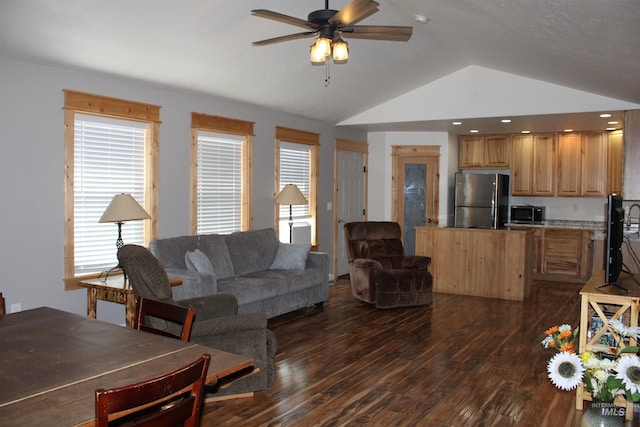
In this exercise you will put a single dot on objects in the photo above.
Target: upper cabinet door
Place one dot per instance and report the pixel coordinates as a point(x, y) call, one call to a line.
point(594, 164)
point(471, 152)
point(522, 165)
point(497, 150)
point(569, 162)
point(544, 147)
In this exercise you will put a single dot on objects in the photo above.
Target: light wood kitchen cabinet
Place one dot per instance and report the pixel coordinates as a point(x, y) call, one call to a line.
point(477, 152)
point(521, 165)
point(565, 254)
point(582, 164)
point(533, 165)
point(544, 162)
point(631, 182)
point(615, 147)
point(471, 152)
point(569, 162)
point(594, 164)
point(537, 250)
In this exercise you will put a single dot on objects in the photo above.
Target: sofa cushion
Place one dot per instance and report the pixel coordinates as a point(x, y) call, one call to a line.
point(170, 252)
point(252, 250)
point(291, 256)
point(270, 283)
point(215, 247)
point(196, 260)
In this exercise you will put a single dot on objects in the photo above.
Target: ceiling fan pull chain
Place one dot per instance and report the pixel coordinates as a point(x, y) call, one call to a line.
point(327, 77)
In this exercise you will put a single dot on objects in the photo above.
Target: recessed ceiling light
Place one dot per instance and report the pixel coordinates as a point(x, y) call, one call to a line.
point(506, 120)
point(474, 131)
point(456, 123)
point(568, 130)
point(612, 123)
point(525, 131)
point(611, 128)
point(421, 19)
point(605, 115)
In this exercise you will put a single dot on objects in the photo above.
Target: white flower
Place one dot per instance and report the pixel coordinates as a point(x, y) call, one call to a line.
point(547, 341)
point(564, 327)
point(565, 370)
point(601, 375)
point(628, 369)
point(625, 331)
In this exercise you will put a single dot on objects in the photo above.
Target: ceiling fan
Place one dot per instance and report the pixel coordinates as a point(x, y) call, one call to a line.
point(330, 25)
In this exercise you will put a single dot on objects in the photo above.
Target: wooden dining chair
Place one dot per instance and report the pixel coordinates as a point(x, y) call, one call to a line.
point(3, 308)
point(161, 313)
point(173, 399)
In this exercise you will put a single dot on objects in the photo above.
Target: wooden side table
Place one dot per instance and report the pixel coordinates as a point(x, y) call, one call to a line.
point(113, 289)
point(601, 305)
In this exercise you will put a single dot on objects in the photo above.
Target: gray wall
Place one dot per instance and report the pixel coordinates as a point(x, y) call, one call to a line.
point(31, 172)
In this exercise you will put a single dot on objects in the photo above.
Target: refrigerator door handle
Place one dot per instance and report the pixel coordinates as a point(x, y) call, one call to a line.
point(493, 215)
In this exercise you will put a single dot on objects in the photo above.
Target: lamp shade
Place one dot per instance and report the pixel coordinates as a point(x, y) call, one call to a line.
point(290, 195)
point(123, 207)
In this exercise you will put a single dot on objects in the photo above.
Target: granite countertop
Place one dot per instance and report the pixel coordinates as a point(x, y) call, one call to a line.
point(564, 223)
point(599, 228)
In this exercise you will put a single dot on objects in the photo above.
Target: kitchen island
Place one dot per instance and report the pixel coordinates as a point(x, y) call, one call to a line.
point(478, 262)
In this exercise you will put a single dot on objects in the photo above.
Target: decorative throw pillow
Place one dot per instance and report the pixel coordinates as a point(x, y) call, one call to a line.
point(196, 260)
point(291, 257)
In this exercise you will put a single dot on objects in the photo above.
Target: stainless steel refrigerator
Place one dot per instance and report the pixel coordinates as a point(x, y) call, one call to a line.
point(481, 200)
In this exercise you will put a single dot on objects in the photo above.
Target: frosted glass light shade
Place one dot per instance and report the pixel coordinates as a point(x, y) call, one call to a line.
point(340, 51)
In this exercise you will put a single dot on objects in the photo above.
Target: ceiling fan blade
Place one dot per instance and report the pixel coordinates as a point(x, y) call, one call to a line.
point(285, 38)
point(354, 11)
point(378, 32)
point(263, 13)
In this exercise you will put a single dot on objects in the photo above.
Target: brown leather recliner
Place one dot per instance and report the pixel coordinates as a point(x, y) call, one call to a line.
point(379, 271)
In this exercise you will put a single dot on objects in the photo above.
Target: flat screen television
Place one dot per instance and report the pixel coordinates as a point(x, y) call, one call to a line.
point(615, 236)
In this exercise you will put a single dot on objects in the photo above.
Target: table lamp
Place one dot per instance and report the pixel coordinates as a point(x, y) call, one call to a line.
point(123, 207)
point(290, 195)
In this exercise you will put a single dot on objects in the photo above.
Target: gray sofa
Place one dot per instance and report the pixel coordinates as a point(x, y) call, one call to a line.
point(242, 264)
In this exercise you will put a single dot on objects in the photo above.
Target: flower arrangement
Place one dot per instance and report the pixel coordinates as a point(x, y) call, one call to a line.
point(605, 374)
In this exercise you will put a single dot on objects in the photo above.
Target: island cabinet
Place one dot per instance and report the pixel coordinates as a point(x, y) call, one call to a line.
point(477, 152)
point(582, 164)
point(532, 165)
point(478, 262)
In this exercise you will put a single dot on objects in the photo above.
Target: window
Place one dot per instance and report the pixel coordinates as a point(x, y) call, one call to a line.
point(297, 163)
point(108, 150)
point(221, 153)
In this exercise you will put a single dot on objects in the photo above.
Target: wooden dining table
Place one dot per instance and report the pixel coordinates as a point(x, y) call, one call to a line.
point(52, 361)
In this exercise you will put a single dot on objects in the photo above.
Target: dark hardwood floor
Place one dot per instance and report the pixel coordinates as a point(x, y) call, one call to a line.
point(464, 361)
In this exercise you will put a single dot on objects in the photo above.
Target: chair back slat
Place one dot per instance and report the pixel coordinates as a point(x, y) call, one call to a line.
point(173, 399)
point(153, 316)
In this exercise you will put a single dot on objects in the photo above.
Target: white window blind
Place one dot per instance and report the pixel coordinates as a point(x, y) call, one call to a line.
point(295, 168)
point(109, 158)
point(219, 186)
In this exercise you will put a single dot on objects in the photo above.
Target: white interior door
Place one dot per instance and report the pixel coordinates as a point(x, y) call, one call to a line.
point(351, 198)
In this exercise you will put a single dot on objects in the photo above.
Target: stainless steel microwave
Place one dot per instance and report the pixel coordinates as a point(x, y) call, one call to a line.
point(527, 214)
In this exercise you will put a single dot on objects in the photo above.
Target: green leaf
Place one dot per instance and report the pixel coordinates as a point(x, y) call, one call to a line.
point(613, 382)
point(632, 397)
point(630, 349)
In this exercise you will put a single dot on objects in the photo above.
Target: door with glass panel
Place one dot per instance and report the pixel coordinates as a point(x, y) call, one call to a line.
point(415, 190)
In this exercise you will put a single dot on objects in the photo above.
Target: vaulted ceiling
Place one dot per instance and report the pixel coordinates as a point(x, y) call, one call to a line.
point(205, 46)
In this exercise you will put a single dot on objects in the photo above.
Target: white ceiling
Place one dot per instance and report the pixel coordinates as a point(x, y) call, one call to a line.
point(205, 46)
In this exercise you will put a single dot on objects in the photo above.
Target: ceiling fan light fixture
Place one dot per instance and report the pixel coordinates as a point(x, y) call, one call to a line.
point(317, 57)
point(340, 50)
point(323, 47)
